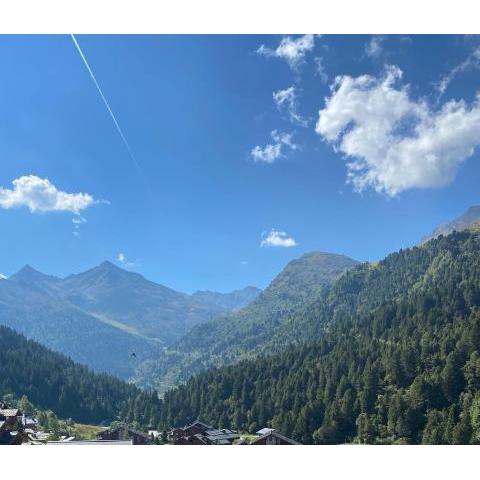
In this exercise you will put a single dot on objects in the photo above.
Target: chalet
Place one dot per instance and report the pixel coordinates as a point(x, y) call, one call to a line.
point(124, 433)
point(199, 433)
point(9, 434)
point(30, 424)
point(184, 435)
point(272, 437)
point(10, 415)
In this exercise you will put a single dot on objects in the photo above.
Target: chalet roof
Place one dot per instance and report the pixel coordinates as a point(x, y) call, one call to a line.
point(199, 423)
point(130, 431)
point(138, 433)
point(10, 412)
point(264, 431)
point(273, 433)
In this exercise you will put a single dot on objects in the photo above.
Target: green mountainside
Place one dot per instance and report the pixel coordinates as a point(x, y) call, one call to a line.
point(398, 362)
point(266, 325)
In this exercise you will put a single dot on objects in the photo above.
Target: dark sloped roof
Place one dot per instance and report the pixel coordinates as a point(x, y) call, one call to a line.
point(275, 434)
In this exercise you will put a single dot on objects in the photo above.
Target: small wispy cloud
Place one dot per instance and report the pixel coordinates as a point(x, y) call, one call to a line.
point(77, 221)
point(292, 50)
point(2, 276)
point(287, 101)
point(122, 259)
point(273, 151)
point(472, 62)
point(320, 69)
point(275, 238)
point(243, 262)
point(374, 47)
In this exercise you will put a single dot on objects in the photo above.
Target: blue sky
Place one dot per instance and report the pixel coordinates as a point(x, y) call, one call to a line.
point(222, 202)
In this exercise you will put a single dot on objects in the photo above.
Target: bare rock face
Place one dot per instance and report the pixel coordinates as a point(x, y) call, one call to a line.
point(470, 218)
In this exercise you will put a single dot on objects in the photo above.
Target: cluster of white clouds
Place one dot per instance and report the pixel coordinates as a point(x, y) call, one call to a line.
point(39, 195)
point(287, 101)
point(273, 151)
point(275, 238)
point(393, 142)
point(292, 50)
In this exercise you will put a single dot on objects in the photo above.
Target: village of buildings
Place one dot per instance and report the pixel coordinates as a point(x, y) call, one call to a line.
point(16, 428)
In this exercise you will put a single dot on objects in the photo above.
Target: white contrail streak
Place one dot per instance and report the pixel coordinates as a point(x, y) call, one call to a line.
point(130, 152)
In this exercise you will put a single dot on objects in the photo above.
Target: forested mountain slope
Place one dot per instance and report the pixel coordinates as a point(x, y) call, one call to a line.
point(264, 326)
point(63, 327)
point(53, 381)
point(399, 362)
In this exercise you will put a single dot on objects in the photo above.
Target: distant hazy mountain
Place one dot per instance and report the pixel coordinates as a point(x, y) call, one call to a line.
point(100, 317)
point(469, 218)
point(263, 326)
point(129, 301)
point(229, 301)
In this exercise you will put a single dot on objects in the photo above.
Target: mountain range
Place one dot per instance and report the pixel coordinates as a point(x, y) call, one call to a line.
point(332, 351)
point(106, 318)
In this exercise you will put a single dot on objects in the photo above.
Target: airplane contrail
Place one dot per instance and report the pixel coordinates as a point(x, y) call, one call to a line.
point(117, 126)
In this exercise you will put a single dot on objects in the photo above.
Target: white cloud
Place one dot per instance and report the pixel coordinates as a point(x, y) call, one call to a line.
point(274, 238)
point(273, 151)
point(470, 63)
point(122, 259)
point(393, 142)
point(2, 276)
point(243, 262)
point(39, 195)
point(374, 48)
point(287, 100)
point(292, 50)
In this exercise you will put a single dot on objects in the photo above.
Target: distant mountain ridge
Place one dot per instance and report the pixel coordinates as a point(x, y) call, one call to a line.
point(263, 326)
point(230, 301)
point(101, 316)
point(467, 220)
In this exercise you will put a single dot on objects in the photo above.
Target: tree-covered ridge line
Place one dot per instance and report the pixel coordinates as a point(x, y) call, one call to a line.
point(263, 327)
point(399, 361)
point(52, 381)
